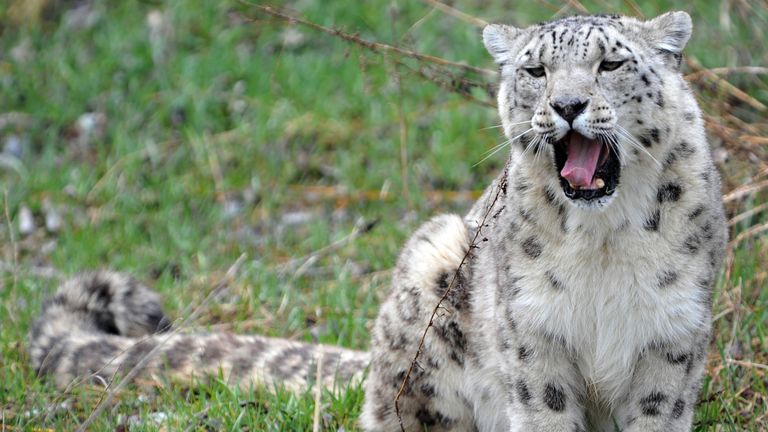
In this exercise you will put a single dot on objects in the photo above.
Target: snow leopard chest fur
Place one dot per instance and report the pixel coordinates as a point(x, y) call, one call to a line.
point(596, 290)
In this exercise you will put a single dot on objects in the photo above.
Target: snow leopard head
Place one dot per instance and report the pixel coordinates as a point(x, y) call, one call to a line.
point(585, 97)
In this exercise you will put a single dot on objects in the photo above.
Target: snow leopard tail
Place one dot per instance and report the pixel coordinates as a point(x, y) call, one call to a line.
point(104, 325)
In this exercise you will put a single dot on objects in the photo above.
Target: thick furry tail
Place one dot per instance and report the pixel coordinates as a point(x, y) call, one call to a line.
point(103, 325)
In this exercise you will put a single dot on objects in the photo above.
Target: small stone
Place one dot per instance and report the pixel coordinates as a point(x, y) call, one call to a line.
point(292, 38)
point(23, 52)
point(13, 146)
point(26, 221)
point(82, 17)
point(232, 207)
point(52, 217)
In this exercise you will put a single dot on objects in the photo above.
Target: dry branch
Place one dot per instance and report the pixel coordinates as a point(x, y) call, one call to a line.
point(451, 285)
point(318, 392)
point(373, 46)
point(14, 245)
point(448, 10)
point(403, 135)
point(748, 364)
point(301, 264)
point(749, 70)
point(747, 214)
point(578, 6)
point(752, 232)
point(746, 190)
point(731, 89)
point(460, 85)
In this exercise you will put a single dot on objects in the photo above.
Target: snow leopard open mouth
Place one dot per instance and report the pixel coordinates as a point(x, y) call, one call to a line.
point(587, 168)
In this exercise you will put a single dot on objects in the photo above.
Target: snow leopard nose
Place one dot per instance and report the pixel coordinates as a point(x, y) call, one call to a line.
point(569, 107)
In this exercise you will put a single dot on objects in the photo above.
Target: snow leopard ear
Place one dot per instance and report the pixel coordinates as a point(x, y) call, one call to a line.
point(501, 41)
point(668, 34)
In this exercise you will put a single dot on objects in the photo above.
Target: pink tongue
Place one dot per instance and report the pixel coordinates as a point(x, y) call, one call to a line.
point(582, 159)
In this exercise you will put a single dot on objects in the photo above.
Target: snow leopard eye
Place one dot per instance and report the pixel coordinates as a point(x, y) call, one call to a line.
point(536, 72)
point(608, 66)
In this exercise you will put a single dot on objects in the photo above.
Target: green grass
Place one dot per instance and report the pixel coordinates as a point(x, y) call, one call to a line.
point(237, 142)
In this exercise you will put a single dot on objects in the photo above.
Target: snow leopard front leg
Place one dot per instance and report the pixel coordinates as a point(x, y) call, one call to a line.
point(545, 390)
point(667, 377)
point(431, 397)
point(665, 387)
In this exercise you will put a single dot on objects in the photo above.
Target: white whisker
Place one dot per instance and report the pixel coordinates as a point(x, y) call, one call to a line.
point(531, 145)
point(501, 125)
point(537, 152)
point(632, 141)
point(491, 127)
point(501, 146)
point(490, 155)
point(511, 124)
point(612, 142)
point(621, 150)
point(496, 147)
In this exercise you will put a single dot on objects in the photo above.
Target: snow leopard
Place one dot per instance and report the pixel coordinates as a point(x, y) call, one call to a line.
point(575, 295)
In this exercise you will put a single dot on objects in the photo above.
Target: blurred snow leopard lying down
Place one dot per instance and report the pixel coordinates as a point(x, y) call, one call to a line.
point(583, 306)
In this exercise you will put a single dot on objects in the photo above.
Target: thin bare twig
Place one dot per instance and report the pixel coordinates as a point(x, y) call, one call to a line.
point(750, 70)
point(309, 260)
point(725, 312)
point(456, 84)
point(14, 246)
point(448, 10)
point(373, 46)
point(318, 393)
point(578, 6)
point(734, 91)
point(735, 297)
point(747, 364)
point(635, 8)
point(115, 167)
point(403, 123)
point(403, 143)
point(752, 232)
point(302, 263)
point(418, 23)
point(745, 190)
point(472, 245)
point(747, 214)
point(212, 158)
